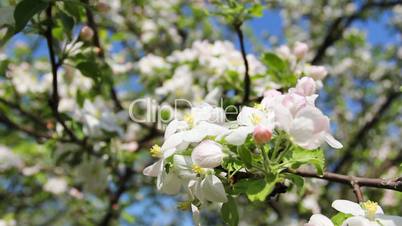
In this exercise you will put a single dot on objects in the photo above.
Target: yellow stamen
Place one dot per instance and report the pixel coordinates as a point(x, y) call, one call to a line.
point(259, 107)
point(186, 205)
point(370, 208)
point(156, 151)
point(197, 169)
point(255, 119)
point(189, 119)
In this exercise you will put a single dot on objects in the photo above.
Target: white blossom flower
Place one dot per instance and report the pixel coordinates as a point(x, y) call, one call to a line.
point(8, 159)
point(248, 119)
point(366, 214)
point(56, 185)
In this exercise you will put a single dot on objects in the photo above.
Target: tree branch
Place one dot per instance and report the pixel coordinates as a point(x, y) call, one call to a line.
point(392, 184)
point(101, 54)
point(247, 81)
point(361, 134)
point(54, 102)
point(339, 25)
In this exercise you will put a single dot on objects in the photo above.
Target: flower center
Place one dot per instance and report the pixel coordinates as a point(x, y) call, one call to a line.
point(156, 151)
point(186, 205)
point(197, 169)
point(189, 119)
point(370, 208)
point(255, 119)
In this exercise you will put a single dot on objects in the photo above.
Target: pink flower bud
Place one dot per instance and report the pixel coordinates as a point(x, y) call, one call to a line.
point(262, 134)
point(305, 86)
point(86, 33)
point(300, 49)
point(316, 72)
point(272, 93)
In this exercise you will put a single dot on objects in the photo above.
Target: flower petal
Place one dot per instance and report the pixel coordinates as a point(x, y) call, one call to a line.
point(332, 141)
point(320, 220)
point(388, 220)
point(154, 169)
point(238, 136)
point(208, 154)
point(212, 189)
point(348, 207)
point(358, 221)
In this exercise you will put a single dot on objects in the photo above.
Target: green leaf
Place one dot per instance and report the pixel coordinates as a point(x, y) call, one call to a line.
point(339, 218)
point(315, 157)
point(256, 10)
point(229, 212)
point(274, 62)
point(260, 189)
point(298, 181)
point(24, 12)
point(245, 156)
point(255, 189)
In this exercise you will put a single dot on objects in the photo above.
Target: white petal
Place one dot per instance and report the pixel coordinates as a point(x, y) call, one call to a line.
point(174, 126)
point(245, 115)
point(183, 166)
point(358, 221)
point(154, 169)
point(388, 220)
point(332, 141)
point(208, 154)
point(169, 183)
point(173, 141)
point(213, 190)
point(320, 220)
point(348, 207)
point(238, 136)
point(196, 215)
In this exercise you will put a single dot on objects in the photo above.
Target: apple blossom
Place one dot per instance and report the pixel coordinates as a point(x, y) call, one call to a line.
point(365, 214)
point(305, 86)
point(247, 120)
point(300, 50)
point(208, 154)
point(316, 72)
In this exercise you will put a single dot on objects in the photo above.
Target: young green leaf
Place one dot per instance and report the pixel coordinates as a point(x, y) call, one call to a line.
point(229, 212)
point(24, 12)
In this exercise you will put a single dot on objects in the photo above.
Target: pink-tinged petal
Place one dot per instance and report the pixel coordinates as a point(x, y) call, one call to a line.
point(208, 154)
point(348, 207)
point(305, 86)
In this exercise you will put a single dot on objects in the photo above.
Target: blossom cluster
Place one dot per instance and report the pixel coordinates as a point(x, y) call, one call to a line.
point(186, 73)
point(197, 145)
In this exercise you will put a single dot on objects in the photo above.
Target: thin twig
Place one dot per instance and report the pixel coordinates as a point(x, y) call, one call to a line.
point(247, 81)
point(357, 191)
point(54, 102)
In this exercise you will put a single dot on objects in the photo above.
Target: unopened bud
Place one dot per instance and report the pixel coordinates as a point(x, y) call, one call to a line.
point(316, 72)
point(300, 49)
point(86, 33)
point(102, 7)
point(305, 86)
point(262, 134)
